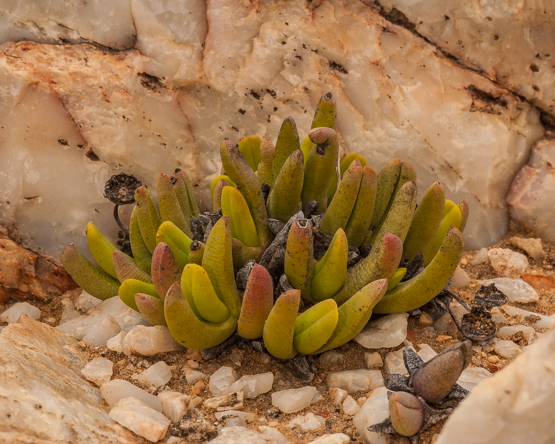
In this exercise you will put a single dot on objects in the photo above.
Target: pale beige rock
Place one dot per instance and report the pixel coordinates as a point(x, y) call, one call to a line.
point(514, 405)
point(337, 395)
point(373, 360)
point(230, 401)
point(460, 278)
point(533, 247)
point(507, 262)
point(355, 380)
point(174, 404)
point(149, 341)
point(41, 367)
point(140, 418)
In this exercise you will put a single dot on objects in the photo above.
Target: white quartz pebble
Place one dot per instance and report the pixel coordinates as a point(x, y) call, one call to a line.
point(507, 262)
point(460, 278)
point(98, 370)
point(293, 400)
point(373, 411)
point(336, 438)
point(99, 335)
point(506, 349)
point(68, 311)
point(174, 404)
point(156, 375)
point(426, 352)
point(116, 343)
point(355, 380)
point(245, 416)
point(86, 302)
point(193, 376)
point(310, 421)
point(13, 313)
point(543, 322)
point(516, 289)
point(350, 406)
point(149, 341)
point(118, 389)
point(481, 257)
point(337, 396)
point(389, 331)
point(140, 418)
point(472, 376)
point(221, 380)
point(533, 247)
point(510, 330)
point(394, 363)
point(253, 385)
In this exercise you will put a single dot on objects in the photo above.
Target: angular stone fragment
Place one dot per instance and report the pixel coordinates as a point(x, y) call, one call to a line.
point(192, 376)
point(12, 314)
point(373, 411)
point(539, 281)
point(537, 320)
point(149, 341)
point(221, 380)
point(98, 335)
point(472, 376)
point(156, 375)
point(86, 302)
point(331, 358)
point(481, 257)
point(394, 363)
point(307, 422)
point(506, 349)
point(355, 380)
point(140, 418)
point(118, 389)
point(230, 401)
point(373, 360)
point(293, 400)
point(337, 396)
point(174, 404)
point(386, 332)
point(510, 330)
point(240, 435)
point(533, 247)
point(507, 262)
point(98, 370)
point(245, 416)
point(460, 278)
point(336, 438)
point(116, 343)
point(253, 385)
point(350, 406)
point(68, 311)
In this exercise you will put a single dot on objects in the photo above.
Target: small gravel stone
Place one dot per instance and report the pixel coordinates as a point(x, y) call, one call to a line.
point(373, 360)
point(272, 435)
point(116, 343)
point(156, 375)
point(350, 406)
point(355, 380)
point(506, 349)
point(337, 396)
point(86, 302)
point(533, 247)
point(174, 404)
point(192, 376)
point(310, 421)
point(426, 352)
point(331, 358)
point(245, 416)
point(540, 321)
point(445, 324)
point(293, 400)
point(98, 370)
point(425, 319)
point(13, 313)
point(394, 363)
point(231, 401)
point(481, 257)
point(373, 411)
point(389, 331)
point(118, 389)
point(472, 376)
point(221, 380)
point(68, 311)
point(336, 438)
point(510, 330)
point(140, 418)
point(516, 289)
point(99, 335)
point(507, 262)
point(149, 341)
point(253, 385)
point(460, 278)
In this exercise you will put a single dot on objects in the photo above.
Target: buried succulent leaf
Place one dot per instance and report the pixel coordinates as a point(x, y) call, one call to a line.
point(407, 413)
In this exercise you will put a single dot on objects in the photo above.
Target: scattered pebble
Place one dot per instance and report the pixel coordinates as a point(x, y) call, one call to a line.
point(293, 400)
point(506, 349)
point(118, 389)
point(539, 281)
point(231, 401)
point(355, 380)
point(221, 380)
point(510, 330)
point(516, 289)
point(86, 302)
point(116, 343)
point(193, 354)
point(68, 311)
point(374, 411)
point(350, 406)
point(373, 360)
point(532, 246)
point(253, 385)
point(394, 363)
point(336, 438)
point(245, 416)
point(537, 320)
point(443, 338)
point(337, 396)
point(98, 370)
point(426, 352)
point(174, 404)
point(140, 418)
point(13, 313)
point(198, 388)
point(425, 319)
point(99, 335)
point(445, 324)
point(149, 341)
point(481, 257)
point(156, 375)
point(507, 262)
point(192, 376)
point(310, 421)
point(331, 358)
point(460, 278)
point(472, 376)
point(389, 331)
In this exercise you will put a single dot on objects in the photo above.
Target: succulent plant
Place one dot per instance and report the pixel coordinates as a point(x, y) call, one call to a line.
point(332, 242)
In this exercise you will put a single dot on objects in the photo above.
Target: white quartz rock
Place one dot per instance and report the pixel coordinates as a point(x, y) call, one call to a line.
point(308, 422)
point(118, 389)
point(140, 418)
point(116, 343)
point(531, 195)
point(273, 435)
point(221, 380)
point(350, 406)
point(13, 313)
point(253, 385)
point(193, 376)
point(98, 370)
point(337, 396)
point(460, 278)
point(373, 360)
point(510, 330)
point(506, 349)
point(426, 353)
point(174, 404)
point(481, 257)
point(230, 401)
point(149, 341)
point(472, 376)
point(336, 438)
point(242, 435)
point(245, 416)
point(516, 289)
point(99, 334)
point(507, 262)
point(355, 380)
point(533, 247)
point(43, 391)
point(86, 302)
point(125, 316)
point(543, 322)
point(389, 331)
point(68, 311)
point(156, 375)
point(293, 400)
point(394, 363)
point(373, 411)
point(514, 405)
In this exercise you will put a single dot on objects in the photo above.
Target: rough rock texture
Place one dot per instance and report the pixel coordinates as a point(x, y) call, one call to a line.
point(193, 79)
point(25, 275)
point(44, 396)
point(514, 406)
point(531, 195)
point(509, 42)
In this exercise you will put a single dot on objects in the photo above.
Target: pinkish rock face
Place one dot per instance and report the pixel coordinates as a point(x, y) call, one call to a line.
point(530, 198)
